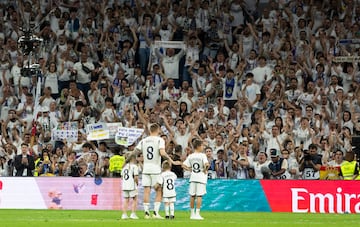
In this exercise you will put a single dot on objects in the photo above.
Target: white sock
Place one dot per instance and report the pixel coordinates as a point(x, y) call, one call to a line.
point(166, 209)
point(192, 211)
point(146, 207)
point(197, 211)
point(157, 207)
point(172, 209)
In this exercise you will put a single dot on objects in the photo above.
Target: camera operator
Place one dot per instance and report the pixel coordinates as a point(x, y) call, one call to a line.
point(310, 164)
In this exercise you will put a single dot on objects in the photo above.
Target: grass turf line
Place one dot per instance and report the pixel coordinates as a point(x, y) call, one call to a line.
point(69, 218)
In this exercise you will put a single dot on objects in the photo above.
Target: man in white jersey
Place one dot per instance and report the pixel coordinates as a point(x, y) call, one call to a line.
point(152, 148)
point(261, 165)
point(167, 183)
point(198, 163)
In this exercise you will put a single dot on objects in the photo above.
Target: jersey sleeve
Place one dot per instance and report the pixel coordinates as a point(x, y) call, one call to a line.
point(161, 143)
point(136, 170)
point(139, 146)
point(160, 180)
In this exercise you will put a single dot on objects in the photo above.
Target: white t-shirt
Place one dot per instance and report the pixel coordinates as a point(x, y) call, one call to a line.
point(261, 74)
point(167, 181)
point(51, 80)
point(128, 173)
point(150, 147)
point(82, 76)
point(252, 91)
point(196, 161)
point(171, 65)
point(258, 168)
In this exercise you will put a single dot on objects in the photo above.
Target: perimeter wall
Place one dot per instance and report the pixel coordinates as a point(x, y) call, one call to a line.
point(321, 196)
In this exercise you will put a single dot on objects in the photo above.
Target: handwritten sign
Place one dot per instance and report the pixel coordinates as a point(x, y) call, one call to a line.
point(73, 125)
point(65, 130)
point(97, 131)
point(127, 136)
point(113, 129)
point(102, 131)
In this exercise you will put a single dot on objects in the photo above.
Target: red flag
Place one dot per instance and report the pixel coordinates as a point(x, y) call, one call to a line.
point(33, 133)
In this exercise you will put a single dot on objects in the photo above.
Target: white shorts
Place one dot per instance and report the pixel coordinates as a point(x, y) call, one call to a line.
point(197, 189)
point(149, 180)
point(130, 194)
point(169, 199)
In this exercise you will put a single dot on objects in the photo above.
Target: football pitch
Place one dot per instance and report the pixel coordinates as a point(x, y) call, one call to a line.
point(70, 218)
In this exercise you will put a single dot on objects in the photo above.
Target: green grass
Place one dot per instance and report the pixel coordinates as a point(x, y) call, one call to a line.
point(70, 218)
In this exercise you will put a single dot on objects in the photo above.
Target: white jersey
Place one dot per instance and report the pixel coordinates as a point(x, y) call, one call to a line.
point(310, 174)
point(197, 161)
point(167, 181)
point(259, 168)
point(128, 174)
point(150, 147)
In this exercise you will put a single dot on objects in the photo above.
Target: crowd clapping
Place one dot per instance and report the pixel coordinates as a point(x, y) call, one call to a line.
point(258, 86)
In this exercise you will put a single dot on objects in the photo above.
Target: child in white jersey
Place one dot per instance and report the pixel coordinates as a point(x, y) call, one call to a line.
point(198, 163)
point(130, 182)
point(167, 183)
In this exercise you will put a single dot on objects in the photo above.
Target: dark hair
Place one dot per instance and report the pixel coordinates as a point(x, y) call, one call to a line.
point(346, 111)
point(178, 148)
point(88, 145)
point(118, 149)
point(147, 15)
point(54, 65)
point(282, 123)
point(263, 153)
point(108, 99)
point(79, 103)
point(349, 156)
point(249, 75)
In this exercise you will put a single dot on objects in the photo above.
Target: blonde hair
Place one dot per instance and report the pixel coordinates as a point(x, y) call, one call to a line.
point(166, 165)
point(128, 157)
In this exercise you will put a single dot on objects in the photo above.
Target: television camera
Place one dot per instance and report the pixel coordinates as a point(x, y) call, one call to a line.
point(29, 45)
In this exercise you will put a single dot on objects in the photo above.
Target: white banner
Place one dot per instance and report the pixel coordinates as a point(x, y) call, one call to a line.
point(127, 136)
point(170, 44)
point(349, 41)
point(102, 131)
point(346, 59)
point(69, 135)
point(97, 131)
point(37, 98)
point(65, 130)
point(113, 129)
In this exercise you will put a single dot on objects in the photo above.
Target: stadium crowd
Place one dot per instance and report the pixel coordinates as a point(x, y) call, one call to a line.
point(272, 90)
